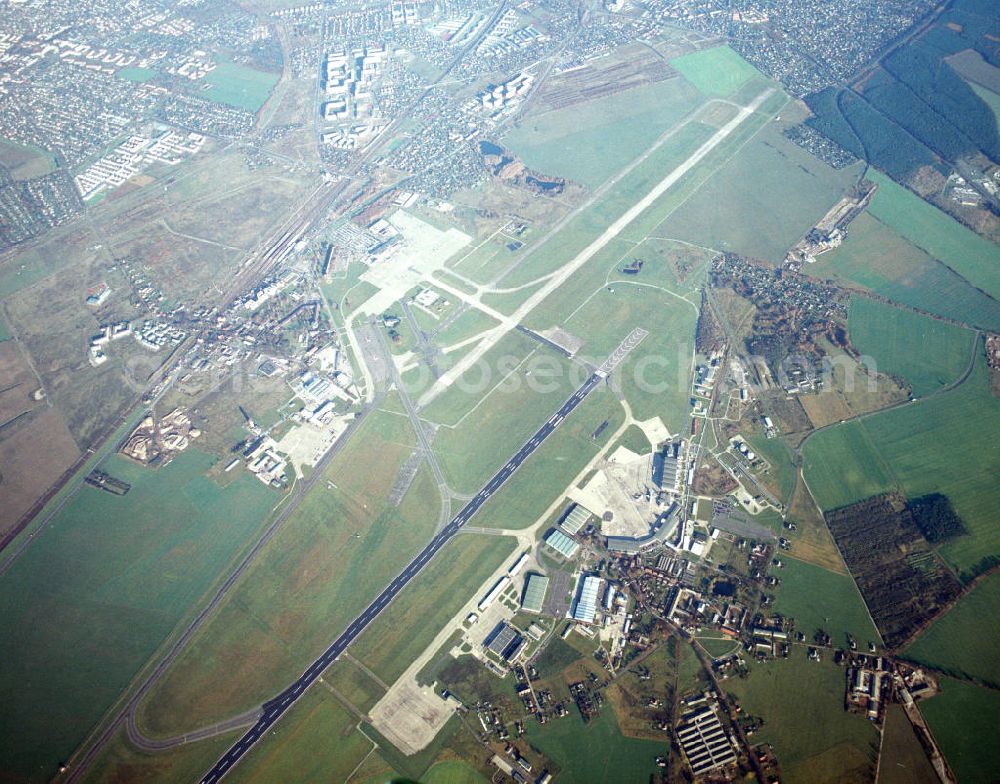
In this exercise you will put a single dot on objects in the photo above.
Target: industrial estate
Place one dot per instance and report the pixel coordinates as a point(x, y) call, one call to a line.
point(471, 391)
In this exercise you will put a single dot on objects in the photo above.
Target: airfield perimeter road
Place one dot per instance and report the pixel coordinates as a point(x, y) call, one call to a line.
point(274, 709)
point(91, 749)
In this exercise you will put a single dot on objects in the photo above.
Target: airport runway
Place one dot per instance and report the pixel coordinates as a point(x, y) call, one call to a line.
point(275, 708)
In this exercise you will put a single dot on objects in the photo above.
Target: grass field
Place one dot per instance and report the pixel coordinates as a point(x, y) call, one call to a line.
point(236, 85)
point(504, 419)
point(841, 466)
point(963, 721)
point(902, 758)
point(28, 268)
point(588, 225)
point(25, 161)
point(715, 71)
point(802, 704)
point(780, 476)
point(140, 75)
point(944, 444)
point(452, 772)
point(940, 235)
point(655, 377)
point(411, 622)
point(545, 475)
point(760, 202)
point(633, 438)
point(927, 353)
point(333, 554)
point(86, 605)
point(317, 741)
point(878, 258)
point(819, 599)
point(120, 762)
point(964, 641)
point(590, 146)
point(596, 752)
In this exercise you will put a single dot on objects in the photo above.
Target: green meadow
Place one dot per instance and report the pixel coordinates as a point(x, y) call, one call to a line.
point(880, 259)
point(925, 352)
point(101, 588)
point(962, 250)
point(716, 71)
point(964, 641)
point(963, 719)
point(239, 86)
point(944, 444)
point(819, 599)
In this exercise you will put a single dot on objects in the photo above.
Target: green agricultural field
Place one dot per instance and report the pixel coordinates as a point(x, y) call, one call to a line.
point(588, 143)
point(595, 752)
point(964, 641)
point(878, 258)
point(819, 599)
point(762, 200)
point(940, 235)
point(947, 444)
point(963, 719)
point(545, 475)
point(944, 444)
point(715, 71)
point(239, 86)
point(405, 629)
point(120, 761)
point(841, 466)
point(334, 553)
point(927, 353)
point(100, 589)
point(802, 704)
point(317, 741)
point(902, 759)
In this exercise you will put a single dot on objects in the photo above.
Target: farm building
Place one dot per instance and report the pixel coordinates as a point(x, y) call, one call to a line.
point(705, 742)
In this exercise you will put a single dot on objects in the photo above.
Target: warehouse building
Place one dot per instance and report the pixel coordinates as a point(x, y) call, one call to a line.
point(561, 543)
point(505, 641)
point(575, 519)
point(535, 588)
point(586, 601)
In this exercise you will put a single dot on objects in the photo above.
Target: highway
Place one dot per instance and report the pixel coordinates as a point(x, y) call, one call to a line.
point(274, 709)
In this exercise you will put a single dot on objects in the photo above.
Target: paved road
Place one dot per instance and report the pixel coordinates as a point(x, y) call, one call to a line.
point(273, 710)
point(90, 750)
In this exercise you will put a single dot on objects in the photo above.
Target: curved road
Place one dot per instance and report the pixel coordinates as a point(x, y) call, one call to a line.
point(274, 709)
